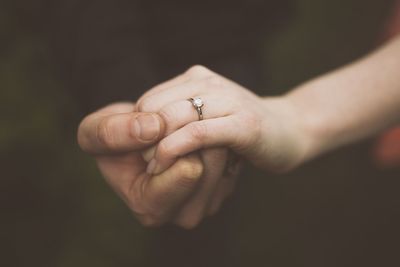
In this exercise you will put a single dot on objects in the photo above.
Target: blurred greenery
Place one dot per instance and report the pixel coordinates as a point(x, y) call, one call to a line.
point(57, 211)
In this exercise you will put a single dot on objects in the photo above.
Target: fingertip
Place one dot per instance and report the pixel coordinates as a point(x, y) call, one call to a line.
point(149, 153)
point(151, 167)
point(163, 158)
point(155, 167)
point(80, 138)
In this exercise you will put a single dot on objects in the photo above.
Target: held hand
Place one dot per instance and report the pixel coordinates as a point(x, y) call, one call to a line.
point(112, 135)
point(261, 130)
point(183, 194)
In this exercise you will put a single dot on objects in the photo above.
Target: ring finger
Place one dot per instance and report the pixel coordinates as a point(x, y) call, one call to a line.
point(182, 112)
point(185, 90)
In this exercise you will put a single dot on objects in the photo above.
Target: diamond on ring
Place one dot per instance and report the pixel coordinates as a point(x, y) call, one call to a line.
point(198, 102)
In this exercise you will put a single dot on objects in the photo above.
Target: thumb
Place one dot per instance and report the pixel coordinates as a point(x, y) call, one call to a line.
point(120, 132)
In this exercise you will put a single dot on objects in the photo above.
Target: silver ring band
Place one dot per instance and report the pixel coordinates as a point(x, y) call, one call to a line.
point(197, 103)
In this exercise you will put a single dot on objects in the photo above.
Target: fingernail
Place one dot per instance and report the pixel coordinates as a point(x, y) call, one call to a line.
point(146, 127)
point(152, 166)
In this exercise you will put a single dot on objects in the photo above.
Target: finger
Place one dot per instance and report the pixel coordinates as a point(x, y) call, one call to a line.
point(226, 131)
point(166, 192)
point(148, 153)
point(121, 132)
point(193, 73)
point(234, 164)
point(224, 188)
point(121, 171)
point(163, 86)
point(226, 184)
point(196, 206)
point(182, 112)
point(115, 108)
point(183, 91)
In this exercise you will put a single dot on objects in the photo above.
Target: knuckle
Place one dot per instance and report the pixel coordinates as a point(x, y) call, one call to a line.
point(135, 198)
point(187, 182)
point(144, 105)
point(197, 71)
point(215, 81)
point(198, 130)
point(104, 133)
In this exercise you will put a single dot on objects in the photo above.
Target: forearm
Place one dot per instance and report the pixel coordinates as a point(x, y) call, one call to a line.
point(349, 104)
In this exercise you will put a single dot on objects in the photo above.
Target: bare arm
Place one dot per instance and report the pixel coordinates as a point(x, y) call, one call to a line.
point(351, 103)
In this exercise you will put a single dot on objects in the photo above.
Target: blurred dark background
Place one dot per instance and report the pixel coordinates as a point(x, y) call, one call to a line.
point(61, 59)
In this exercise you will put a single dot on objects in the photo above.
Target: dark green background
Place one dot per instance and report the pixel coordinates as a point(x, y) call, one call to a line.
point(57, 211)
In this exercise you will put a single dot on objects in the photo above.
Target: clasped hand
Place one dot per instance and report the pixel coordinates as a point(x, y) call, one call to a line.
point(168, 166)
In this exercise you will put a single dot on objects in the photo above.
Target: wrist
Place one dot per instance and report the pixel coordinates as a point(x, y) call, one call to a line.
point(286, 136)
point(320, 131)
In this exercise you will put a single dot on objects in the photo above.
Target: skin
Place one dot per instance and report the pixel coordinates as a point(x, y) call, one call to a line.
point(176, 171)
point(183, 194)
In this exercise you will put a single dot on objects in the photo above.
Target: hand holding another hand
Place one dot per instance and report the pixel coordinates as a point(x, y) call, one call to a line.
point(170, 167)
point(262, 130)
